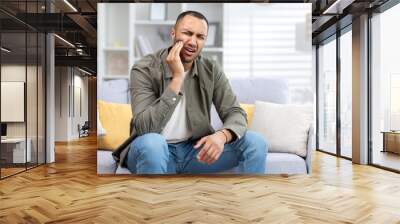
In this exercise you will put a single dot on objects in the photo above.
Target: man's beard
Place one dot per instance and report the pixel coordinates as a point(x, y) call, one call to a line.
point(187, 61)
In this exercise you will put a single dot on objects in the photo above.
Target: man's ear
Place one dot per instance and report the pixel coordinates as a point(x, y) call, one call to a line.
point(172, 34)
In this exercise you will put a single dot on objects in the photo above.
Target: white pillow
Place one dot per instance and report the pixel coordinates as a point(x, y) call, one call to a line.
point(284, 126)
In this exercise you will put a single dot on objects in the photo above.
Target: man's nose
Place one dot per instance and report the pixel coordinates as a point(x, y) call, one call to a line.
point(192, 41)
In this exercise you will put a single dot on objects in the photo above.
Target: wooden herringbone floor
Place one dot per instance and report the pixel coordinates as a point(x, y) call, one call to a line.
point(70, 191)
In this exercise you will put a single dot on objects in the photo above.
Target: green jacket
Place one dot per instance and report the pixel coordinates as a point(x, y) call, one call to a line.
point(153, 102)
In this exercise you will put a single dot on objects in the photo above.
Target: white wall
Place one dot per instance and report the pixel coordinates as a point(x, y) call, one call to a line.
point(67, 114)
point(62, 81)
point(80, 83)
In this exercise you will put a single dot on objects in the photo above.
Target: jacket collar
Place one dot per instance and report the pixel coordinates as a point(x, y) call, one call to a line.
point(167, 72)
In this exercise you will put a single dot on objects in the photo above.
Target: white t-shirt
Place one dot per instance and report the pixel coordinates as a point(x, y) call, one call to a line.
point(178, 129)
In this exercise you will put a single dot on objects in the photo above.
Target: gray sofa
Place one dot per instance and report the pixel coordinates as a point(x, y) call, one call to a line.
point(247, 90)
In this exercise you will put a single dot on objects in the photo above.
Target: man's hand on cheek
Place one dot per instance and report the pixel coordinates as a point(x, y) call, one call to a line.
point(174, 60)
point(211, 147)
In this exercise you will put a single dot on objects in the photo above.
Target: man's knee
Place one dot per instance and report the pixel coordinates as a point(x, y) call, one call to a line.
point(256, 143)
point(148, 154)
point(150, 146)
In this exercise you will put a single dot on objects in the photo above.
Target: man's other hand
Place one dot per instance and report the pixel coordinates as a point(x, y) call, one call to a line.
point(212, 147)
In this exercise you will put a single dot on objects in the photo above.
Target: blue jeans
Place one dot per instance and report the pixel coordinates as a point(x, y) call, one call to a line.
point(151, 154)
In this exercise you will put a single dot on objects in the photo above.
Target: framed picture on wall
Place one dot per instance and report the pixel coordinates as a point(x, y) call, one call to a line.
point(212, 35)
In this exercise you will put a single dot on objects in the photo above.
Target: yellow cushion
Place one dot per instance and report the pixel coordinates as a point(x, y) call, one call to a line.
point(115, 119)
point(249, 109)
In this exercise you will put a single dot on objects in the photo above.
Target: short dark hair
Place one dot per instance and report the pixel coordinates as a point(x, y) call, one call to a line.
point(191, 13)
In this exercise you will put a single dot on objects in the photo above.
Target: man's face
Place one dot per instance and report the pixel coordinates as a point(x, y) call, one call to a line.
point(193, 32)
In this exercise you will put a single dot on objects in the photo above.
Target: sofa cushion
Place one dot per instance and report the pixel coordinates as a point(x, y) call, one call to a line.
point(250, 89)
point(263, 88)
point(115, 119)
point(249, 109)
point(284, 126)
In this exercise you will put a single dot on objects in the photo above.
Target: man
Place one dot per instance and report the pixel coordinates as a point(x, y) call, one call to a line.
point(171, 93)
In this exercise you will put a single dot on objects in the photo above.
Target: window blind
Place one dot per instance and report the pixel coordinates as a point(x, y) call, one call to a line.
point(270, 40)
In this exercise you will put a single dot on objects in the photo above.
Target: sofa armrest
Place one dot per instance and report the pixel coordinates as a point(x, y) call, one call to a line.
point(310, 145)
